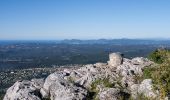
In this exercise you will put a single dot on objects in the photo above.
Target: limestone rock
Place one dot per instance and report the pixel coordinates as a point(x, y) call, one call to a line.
point(115, 59)
point(134, 90)
point(58, 88)
point(37, 83)
point(146, 88)
point(143, 62)
point(109, 94)
point(24, 90)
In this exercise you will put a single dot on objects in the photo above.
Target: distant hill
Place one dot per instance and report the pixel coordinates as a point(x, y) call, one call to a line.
point(123, 41)
point(117, 41)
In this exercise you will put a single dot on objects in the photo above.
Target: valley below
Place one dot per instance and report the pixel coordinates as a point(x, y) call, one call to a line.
point(38, 59)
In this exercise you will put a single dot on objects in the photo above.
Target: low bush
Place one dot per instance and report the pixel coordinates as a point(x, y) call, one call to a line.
point(160, 74)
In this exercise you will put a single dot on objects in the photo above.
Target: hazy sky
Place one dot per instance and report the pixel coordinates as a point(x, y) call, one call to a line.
point(84, 19)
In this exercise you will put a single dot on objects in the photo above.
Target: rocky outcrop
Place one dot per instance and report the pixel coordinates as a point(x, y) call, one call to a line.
point(118, 76)
point(25, 90)
point(130, 69)
point(57, 87)
point(145, 88)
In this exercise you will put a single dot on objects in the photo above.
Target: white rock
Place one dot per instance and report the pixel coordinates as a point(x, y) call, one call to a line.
point(134, 90)
point(115, 59)
point(109, 94)
point(86, 80)
point(24, 90)
point(146, 88)
point(61, 89)
point(141, 61)
point(37, 83)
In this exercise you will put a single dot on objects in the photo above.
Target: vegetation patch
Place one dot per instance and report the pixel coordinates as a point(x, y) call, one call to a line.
point(158, 56)
point(160, 74)
point(2, 94)
point(93, 91)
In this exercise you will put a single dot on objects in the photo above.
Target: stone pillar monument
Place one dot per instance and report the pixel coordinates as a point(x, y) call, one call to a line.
point(115, 59)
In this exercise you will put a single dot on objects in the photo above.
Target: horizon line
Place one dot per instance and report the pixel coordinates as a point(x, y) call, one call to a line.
point(85, 39)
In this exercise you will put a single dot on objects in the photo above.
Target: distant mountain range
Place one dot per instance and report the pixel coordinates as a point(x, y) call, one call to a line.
point(97, 41)
point(116, 41)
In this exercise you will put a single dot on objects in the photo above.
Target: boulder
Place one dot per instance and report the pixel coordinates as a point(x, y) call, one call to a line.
point(141, 61)
point(24, 90)
point(115, 59)
point(58, 88)
point(146, 88)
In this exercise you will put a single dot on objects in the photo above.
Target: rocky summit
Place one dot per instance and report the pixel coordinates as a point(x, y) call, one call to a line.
point(118, 79)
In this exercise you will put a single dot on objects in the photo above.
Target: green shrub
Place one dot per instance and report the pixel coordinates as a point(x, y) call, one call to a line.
point(147, 72)
point(93, 91)
point(2, 94)
point(46, 99)
point(159, 56)
point(160, 74)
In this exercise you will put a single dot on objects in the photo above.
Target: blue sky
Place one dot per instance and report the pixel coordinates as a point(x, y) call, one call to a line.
point(84, 19)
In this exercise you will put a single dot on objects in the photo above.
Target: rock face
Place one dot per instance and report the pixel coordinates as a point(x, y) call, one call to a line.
point(81, 83)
